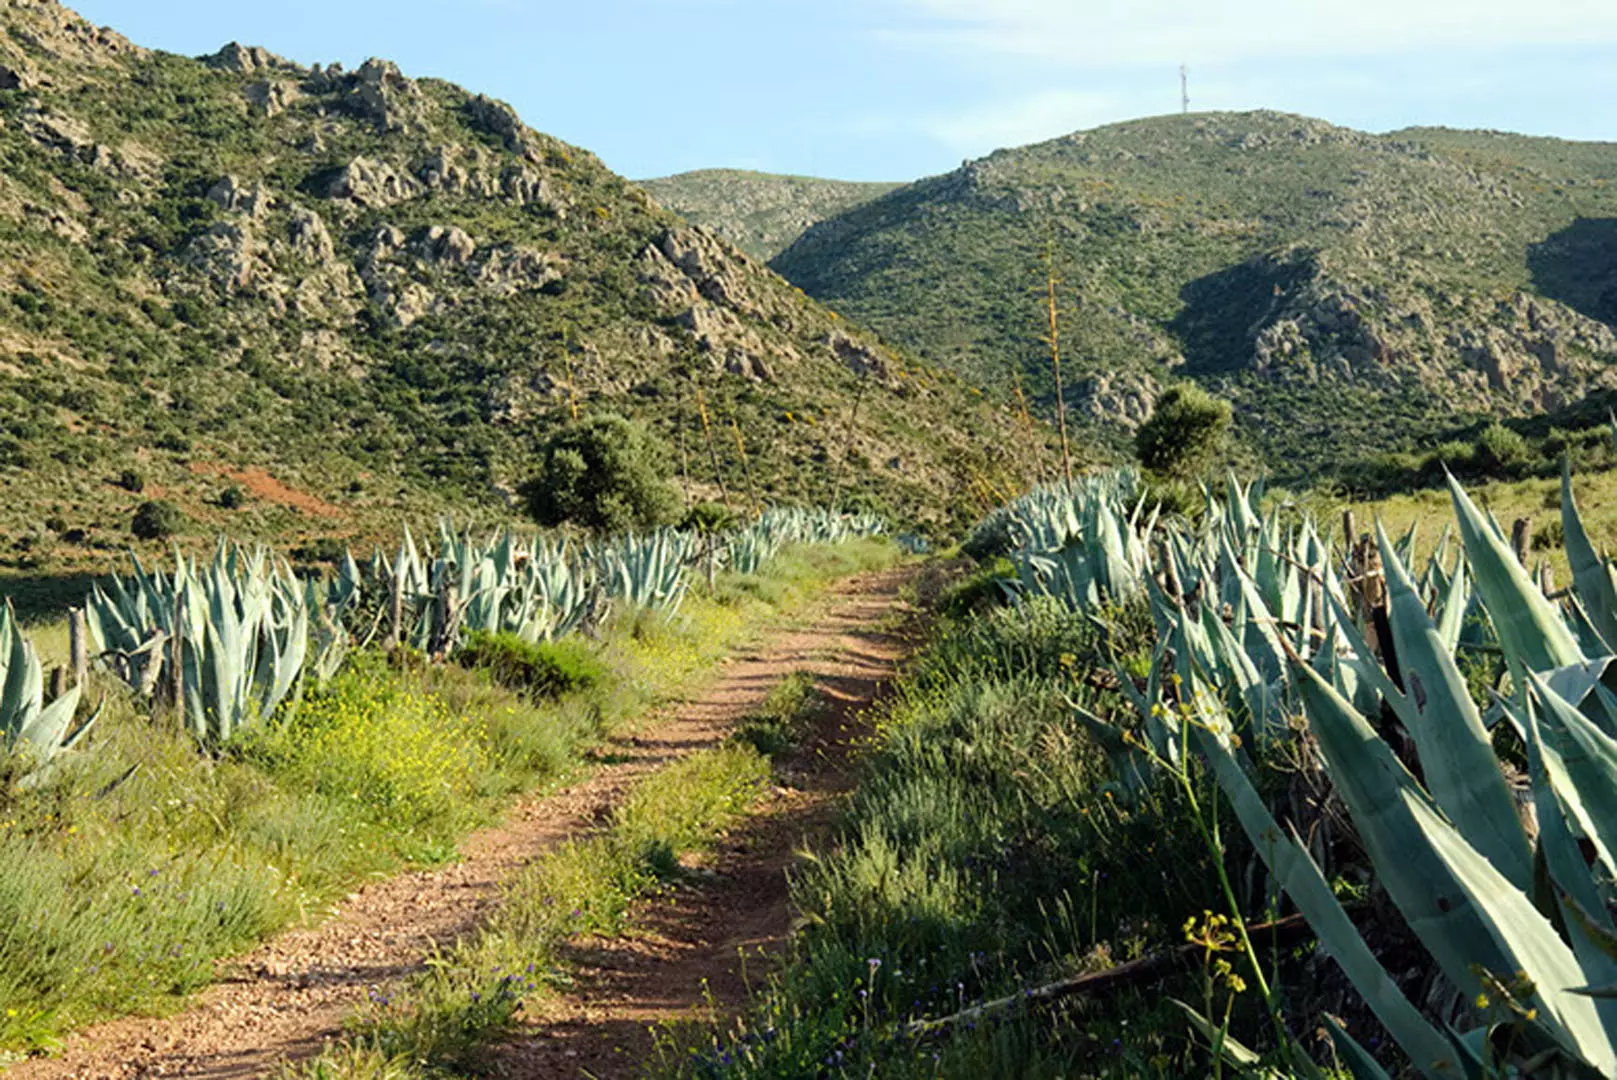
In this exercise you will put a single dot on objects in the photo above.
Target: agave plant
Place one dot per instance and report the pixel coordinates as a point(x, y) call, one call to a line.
point(1451, 848)
point(228, 640)
point(41, 732)
point(648, 571)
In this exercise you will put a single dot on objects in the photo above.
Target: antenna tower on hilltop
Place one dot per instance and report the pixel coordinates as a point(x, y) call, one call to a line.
point(1184, 89)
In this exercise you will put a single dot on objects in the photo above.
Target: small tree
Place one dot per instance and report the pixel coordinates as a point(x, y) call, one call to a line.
point(156, 520)
point(1185, 434)
point(604, 473)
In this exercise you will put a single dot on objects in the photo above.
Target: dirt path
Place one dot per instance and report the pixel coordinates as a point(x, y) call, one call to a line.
point(285, 998)
point(696, 950)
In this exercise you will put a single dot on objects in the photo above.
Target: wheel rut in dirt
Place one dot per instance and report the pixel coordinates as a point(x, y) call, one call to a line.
point(286, 998)
point(697, 949)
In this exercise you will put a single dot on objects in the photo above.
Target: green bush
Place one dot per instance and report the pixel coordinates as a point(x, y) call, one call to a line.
point(156, 520)
point(605, 473)
point(1502, 452)
point(710, 517)
point(1186, 432)
point(233, 497)
point(542, 669)
point(132, 480)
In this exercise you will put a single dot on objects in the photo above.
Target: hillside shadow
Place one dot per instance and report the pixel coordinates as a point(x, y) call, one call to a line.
point(1224, 310)
point(1578, 267)
point(42, 596)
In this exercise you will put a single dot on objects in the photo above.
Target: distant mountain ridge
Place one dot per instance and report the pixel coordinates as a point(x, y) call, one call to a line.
point(384, 291)
point(1348, 291)
point(761, 213)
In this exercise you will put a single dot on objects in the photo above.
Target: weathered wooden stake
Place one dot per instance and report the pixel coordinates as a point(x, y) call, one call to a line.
point(78, 644)
point(1521, 538)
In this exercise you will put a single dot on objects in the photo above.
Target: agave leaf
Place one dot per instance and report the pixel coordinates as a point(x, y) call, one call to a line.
point(1289, 862)
point(1581, 761)
point(1530, 629)
point(1589, 572)
point(1358, 1059)
point(1462, 773)
point(1518, 929)
point(1377, 790)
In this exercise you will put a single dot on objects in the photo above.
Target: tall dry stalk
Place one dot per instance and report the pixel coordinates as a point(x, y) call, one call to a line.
point(712, 451)
point(1055, 360)
point(572, 387)
point(847, 448)
point(746, 467)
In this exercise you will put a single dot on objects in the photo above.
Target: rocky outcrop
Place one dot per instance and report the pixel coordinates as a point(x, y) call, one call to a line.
point(231, 195)
point(269, 97)
point(498, 119)
point(712, 267)
point(730, 345)
point(310, 238)
point(229, 253)
point(448, 245)
point(856, 356)
point(508, 270)
point(368, 183)
point(662, 284)
point(1124, 398)
point(380, 93)
point(247, 59)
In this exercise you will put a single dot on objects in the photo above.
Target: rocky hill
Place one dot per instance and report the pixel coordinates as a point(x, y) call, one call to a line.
point(357, 293)
point(1349, 291)
point(761, 213)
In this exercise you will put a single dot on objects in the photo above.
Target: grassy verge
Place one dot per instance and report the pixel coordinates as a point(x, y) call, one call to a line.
point(124, 882)
point(473, 993)
point(985, 851)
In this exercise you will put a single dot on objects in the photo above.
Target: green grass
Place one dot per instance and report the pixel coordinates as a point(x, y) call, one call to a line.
point(472, 993)
point(785, 715)
point(985, 850)
point(148, 861)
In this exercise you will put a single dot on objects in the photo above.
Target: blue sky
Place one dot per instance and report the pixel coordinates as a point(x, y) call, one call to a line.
point(896, 89)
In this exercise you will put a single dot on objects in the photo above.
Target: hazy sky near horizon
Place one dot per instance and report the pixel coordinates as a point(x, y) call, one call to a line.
point(897, 89)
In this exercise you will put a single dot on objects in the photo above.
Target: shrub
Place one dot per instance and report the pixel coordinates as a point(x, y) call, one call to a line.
point(543, 669)
point(710, 517)
point(156, 520)
point(131, 480)
point(1186, 432)
point(326, 549)
point(233, 497)
point(604, 473)
point(1501, 452)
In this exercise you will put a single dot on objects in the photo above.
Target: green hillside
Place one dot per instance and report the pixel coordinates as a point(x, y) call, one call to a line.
point(355, 295)
point(761, 213)
point(1348, 291)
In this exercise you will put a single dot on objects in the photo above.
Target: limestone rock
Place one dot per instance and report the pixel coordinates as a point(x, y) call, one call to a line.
point(57, 130)
point(662, 284)
point(498, 118)
point(269, 97)
point(1124, 398)
point(508, 270)
point(369, 183)
point(380, 92)
point(730, 344)
point(230, 194)
point(710, 265)
point(446, 244)
point(310, 238)
point(244, 58)
point(856, 356)
point(229, 253)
